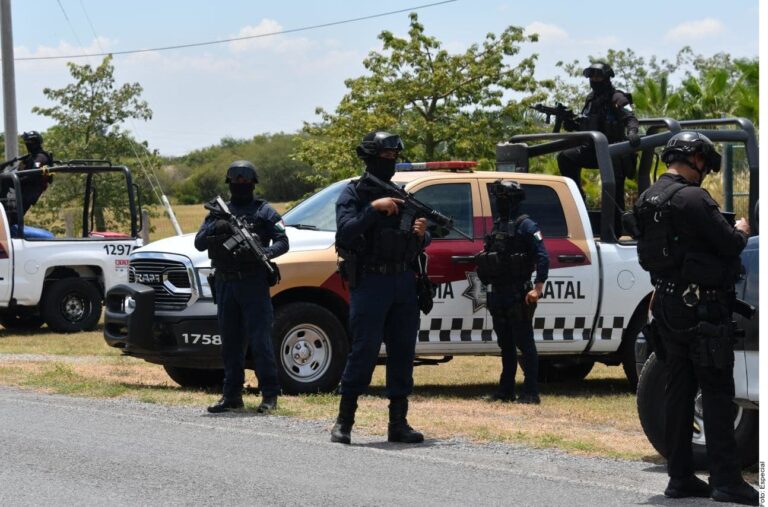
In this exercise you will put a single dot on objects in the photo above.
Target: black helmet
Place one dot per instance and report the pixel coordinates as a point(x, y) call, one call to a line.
point(599, 69)
point(509, 190)
point(32, 138)
point(377, 141)
point(241, 169)
point(687, 143)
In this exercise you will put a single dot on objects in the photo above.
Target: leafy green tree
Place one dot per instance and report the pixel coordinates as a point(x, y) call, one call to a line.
point(443, 105)
point(90, 114)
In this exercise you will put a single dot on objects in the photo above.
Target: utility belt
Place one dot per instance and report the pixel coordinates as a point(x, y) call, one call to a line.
point(229, 276)
point(386, 268)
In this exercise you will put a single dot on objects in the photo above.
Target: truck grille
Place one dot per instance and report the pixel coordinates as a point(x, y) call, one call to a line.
point(169, 279)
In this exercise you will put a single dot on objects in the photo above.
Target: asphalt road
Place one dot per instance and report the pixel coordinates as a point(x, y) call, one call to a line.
point(58, 450)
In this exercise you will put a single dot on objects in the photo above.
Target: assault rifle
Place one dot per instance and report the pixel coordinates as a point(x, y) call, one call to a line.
point(12, 161)
point(412, 208)
point(564, 116)
point(241, 239)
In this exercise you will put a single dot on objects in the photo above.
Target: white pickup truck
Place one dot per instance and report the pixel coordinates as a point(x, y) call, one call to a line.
point(594, 306)
point(59, 275)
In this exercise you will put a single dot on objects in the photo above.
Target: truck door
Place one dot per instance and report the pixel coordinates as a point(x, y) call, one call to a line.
point(459, 313)
point(564, 316)
point(6, 260)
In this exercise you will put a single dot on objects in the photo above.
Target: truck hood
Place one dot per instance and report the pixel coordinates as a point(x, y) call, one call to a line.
point(299, 241)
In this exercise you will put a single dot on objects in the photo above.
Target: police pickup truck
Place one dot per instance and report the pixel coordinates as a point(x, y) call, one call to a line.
point(594, 305)
point(59, 275)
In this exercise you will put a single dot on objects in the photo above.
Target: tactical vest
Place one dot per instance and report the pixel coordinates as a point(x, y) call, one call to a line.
point(505, 258)
point(388, 242)
point(224, 260)
point(600, 114)
point(658, 246)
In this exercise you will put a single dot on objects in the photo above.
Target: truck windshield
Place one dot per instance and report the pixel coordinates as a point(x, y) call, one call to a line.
point(317, 212)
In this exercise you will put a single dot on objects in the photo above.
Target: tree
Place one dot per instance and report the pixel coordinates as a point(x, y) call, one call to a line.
point(89, 115)
point(443, 105)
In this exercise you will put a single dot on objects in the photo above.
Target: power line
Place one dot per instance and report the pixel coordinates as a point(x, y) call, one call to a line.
point(222, 41)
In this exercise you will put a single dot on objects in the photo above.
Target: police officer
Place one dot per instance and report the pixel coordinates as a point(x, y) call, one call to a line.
point(244, 306)
point(609, 111)
point(512, 250)
point(378, 264)
point(692, 254)
point(32, 184)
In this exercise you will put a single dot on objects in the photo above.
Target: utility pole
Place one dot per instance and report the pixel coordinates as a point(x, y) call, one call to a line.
point(9, 81)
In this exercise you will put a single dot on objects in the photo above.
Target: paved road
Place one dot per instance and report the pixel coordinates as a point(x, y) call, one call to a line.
point(59, 450)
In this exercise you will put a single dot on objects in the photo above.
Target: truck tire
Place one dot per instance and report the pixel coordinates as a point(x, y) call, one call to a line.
point(196, 378)
point(650, 408)
point(70, 305)
point(563, 370)
point(17, 321)
point(311, 346)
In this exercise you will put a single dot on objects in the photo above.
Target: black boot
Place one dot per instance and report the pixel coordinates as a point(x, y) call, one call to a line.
point(685, 487)
point(226, 404)
point(341, 432)
point(268, 404)
point(740, 492)
point(399, 430)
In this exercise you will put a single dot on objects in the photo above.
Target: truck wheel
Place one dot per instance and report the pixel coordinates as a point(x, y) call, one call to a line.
point(70, 305)
point(650, 408)
point(20, 321)
point(196, 378)
point(627, 351)
point(563, 370)
point(311, 347)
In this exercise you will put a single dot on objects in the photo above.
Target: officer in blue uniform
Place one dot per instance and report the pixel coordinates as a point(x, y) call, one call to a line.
point(244, 306)
point(512, 250)
point(378, 265)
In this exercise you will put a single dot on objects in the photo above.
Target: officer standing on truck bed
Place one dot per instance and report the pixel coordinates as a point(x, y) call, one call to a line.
point(692, 254)
point(32, 185)
point(379, 257)
point(512, 250)
point(241, 288)
point(609, 111)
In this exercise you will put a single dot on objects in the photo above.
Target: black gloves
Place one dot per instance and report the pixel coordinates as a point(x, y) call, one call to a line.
point(634, 139)
point(221, 227)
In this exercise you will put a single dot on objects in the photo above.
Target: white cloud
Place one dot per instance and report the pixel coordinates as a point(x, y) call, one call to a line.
point(262, 40)
point(693, 30)
point(548, 34)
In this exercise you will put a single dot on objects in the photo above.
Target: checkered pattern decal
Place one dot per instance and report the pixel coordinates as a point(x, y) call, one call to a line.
point(564, 328)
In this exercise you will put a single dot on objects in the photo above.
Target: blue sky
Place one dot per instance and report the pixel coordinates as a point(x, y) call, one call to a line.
point(200, 95)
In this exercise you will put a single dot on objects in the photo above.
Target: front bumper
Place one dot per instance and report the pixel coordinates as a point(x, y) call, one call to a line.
point(186, 338)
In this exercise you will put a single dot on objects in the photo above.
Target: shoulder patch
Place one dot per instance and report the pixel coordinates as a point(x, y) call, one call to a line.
point(537, 236)
point(280, 225)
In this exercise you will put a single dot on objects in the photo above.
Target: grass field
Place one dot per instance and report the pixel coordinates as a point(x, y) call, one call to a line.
point(593, 417)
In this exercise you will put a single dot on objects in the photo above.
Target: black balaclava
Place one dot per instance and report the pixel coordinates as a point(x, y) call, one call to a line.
point(600, 86)
point(242, 193)
point(382, 168)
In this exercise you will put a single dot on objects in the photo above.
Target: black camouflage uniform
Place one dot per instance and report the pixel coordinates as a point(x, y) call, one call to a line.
point(609, 111)
point(692, 254)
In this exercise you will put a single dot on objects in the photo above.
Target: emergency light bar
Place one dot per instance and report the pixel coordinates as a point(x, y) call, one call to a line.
point(453, 165)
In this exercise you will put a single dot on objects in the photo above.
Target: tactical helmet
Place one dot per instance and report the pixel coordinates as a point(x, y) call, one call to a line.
point(32, 138)
point(599, 69)
point(377, 141)
point(687, 143)
point(509, 190)
point(242, 169)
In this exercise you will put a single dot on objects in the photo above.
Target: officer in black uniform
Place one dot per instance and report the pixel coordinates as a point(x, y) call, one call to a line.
point(244, 306)
point(512, 250)
point(378, 265)
point(692, 254)
point(32, 184)
point(609, 111)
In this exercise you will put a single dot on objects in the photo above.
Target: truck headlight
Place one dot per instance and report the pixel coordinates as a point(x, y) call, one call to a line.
point(202, 278)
